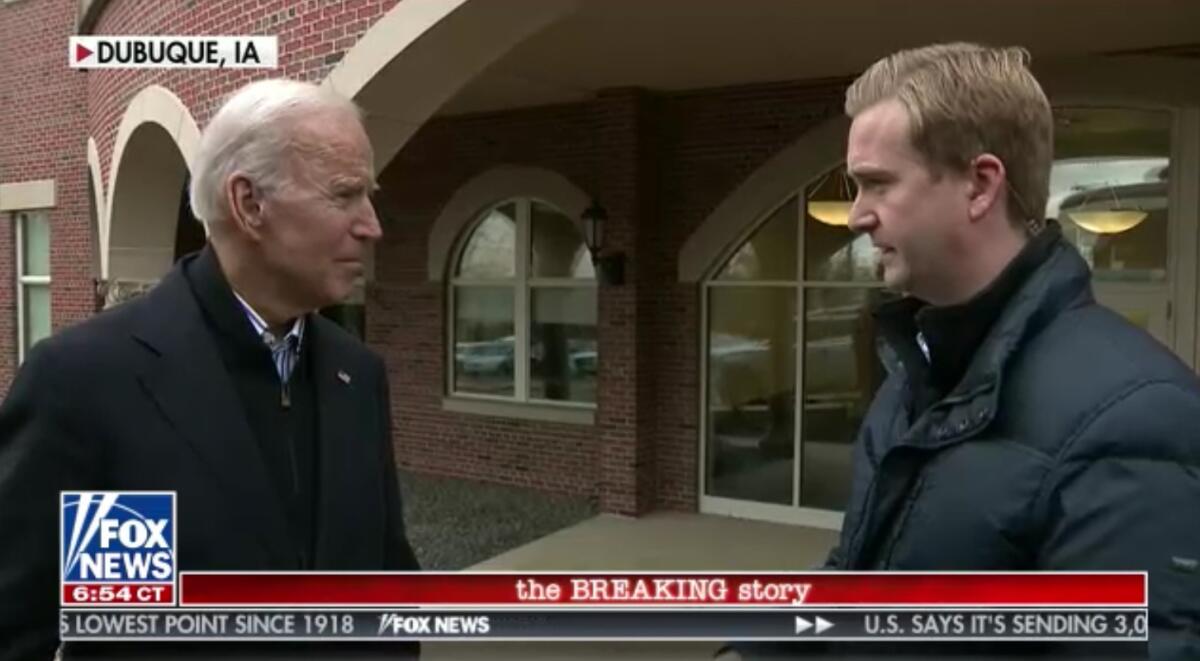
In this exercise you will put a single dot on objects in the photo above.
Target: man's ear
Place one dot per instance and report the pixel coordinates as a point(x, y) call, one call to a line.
point(245, 204)
point(988, 184)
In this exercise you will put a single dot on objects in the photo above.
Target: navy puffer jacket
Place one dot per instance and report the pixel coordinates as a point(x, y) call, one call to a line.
point(1071, 443)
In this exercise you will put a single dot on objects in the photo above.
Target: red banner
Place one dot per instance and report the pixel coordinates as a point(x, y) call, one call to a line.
point(661, 589)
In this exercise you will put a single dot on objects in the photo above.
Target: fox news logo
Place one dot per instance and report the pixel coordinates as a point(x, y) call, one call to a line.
point(120, 537)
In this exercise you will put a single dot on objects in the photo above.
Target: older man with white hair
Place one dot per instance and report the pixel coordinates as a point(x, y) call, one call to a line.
point(271, 423)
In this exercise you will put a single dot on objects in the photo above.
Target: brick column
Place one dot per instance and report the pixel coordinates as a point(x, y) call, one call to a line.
point(625, 424)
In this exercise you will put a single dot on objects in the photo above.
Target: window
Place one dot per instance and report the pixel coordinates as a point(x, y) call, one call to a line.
point(1109, 190)
point(33, 279)
point(523, 308)
point(780, 426)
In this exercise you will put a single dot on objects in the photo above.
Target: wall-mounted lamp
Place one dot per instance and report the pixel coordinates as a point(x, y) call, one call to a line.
point(610, 269)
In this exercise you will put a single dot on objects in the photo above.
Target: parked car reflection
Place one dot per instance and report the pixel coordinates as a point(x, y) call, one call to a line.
point(492, 357)
point(752, 405)
point(497, 356)
point(583, 356)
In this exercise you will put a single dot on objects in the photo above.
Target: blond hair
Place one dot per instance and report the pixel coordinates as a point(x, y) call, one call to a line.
point(964, 100)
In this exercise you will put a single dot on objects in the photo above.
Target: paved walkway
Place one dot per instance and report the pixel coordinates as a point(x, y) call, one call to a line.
point(671, 540)
point(662, 541)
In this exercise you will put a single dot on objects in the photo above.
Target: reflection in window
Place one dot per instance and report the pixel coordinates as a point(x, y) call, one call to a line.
point(759, 443)
point(833, 253)
point(751, 392)
point(841, 375)
point(1109, 187)
point(33, 279)
point(853, 257)
point(770, 254)
point(35, 244)
point(489, 254)
point(37, 314)
point(484, 340)
point(582, 267)
point(563, 352)
point(558, 248)
point(552, 297)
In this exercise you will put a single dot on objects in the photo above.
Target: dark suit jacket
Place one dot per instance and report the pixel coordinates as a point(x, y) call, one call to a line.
point(138, 398)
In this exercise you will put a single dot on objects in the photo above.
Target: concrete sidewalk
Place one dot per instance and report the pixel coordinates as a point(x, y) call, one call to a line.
point(671, 540)
point(661, 541)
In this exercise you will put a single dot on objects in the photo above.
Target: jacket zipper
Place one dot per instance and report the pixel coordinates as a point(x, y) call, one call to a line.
point(285, 400)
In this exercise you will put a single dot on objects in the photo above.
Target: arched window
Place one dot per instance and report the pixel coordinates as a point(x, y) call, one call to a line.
point(523, 308)
point(779, 424)
point(800, 278)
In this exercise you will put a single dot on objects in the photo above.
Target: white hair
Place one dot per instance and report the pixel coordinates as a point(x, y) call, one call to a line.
point(251, 134)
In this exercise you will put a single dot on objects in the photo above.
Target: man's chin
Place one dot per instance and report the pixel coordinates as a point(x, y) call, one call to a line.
point(895, 280)
point(339, 293)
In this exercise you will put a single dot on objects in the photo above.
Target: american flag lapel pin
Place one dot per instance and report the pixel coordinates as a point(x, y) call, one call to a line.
point(343, 377)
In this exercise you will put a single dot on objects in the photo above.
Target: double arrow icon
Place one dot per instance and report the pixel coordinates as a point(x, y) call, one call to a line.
point(822, 625)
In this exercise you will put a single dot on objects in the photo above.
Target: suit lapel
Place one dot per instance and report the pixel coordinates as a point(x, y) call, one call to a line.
point(191, 387)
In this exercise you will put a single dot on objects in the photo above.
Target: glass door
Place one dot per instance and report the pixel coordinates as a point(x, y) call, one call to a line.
point(801, 279)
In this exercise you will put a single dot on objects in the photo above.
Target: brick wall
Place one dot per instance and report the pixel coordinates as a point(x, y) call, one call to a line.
point(44, 136)
point(660, 163)
point(711, 141)
point(49, 110)
point(624, 453)
point(405, 315)
point(313, 37)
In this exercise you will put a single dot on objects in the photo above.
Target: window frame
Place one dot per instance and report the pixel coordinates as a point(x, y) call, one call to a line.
point(25, 282)
point(799, 287)
point(521, 285)
point(1178, 330)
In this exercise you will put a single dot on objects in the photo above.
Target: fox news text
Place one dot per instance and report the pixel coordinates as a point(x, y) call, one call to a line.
point(117, 548)
point(119, 582)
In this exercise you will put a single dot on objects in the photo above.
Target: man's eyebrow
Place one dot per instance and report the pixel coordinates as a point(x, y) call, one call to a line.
point(342, 181)
point(866, 172)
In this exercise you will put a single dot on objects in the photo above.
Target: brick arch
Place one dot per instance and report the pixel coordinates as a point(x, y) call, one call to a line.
point(816, 152)
point(155, 147)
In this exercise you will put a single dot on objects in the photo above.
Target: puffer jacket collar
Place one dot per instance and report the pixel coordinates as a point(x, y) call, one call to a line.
point(1062, 281)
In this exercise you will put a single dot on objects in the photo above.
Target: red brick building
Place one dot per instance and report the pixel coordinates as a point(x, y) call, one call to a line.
point(727, 371)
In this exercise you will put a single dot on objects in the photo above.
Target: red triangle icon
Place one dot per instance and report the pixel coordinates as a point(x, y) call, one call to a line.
point(81, 52)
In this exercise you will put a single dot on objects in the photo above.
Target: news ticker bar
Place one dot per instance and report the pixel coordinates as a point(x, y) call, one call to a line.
point(666, 589)
point(524, 624)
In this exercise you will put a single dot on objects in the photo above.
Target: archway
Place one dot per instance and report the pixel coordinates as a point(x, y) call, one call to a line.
point(155, 146)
